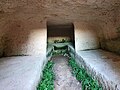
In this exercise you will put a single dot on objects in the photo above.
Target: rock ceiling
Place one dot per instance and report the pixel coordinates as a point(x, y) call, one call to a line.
point(59, 11)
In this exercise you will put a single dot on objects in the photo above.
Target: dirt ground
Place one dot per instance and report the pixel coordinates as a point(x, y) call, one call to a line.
point(64, 80)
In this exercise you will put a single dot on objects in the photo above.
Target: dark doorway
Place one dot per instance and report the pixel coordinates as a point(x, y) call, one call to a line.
point(60, 33)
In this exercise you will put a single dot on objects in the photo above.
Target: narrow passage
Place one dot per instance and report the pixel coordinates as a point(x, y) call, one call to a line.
point(64, 80)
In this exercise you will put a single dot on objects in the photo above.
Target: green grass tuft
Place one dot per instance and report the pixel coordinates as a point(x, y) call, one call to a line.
point(88, 83)
point(47, 82)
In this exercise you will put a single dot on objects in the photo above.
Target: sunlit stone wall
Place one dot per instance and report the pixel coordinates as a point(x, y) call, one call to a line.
point(25, 38)
point(85, 36)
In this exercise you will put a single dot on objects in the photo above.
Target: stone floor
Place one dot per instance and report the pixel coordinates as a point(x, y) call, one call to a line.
point(64, 79)
point(20, 72)
point(23, 72)
point(104, 64)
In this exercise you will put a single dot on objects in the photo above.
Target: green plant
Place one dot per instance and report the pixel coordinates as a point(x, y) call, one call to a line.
point(61, 41)
point(47, 81)
point(88, 83)
point(59, 52)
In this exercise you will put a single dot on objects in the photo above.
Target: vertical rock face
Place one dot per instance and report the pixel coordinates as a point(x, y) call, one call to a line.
point(25, 38)
point(3, 27)
point(85, 36)
point(26, 16)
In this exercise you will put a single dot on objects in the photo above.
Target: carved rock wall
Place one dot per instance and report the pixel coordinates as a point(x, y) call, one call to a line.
point(25, 16)
point(85, 36)
point(25, 38)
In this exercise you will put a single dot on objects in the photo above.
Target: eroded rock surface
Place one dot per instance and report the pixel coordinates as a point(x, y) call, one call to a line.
point(58, 10)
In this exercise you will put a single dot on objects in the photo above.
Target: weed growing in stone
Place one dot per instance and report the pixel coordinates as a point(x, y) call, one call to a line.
point(47, 82)
point(88, 83)
point(59, 52)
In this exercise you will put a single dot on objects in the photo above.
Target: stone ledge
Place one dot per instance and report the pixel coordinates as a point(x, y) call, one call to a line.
point(21, 72)
point(103, 66)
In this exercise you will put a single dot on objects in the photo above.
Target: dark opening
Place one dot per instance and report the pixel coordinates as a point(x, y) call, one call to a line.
point(60, 33)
